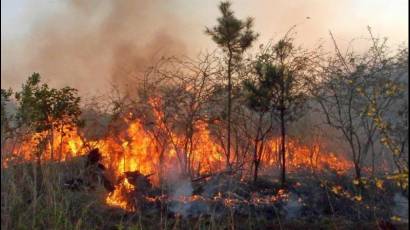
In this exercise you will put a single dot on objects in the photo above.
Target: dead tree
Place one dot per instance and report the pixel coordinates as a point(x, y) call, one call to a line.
point(178, 101)
point(350, 100)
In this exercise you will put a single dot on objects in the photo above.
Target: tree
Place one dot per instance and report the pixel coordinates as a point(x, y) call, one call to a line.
point(358, 94)
point(234, 36)
point(258, 97)
point(5, 117)
point(342, 106)
point(43, 110)
point(280, 87)
point(386, 101)
point(173, 105)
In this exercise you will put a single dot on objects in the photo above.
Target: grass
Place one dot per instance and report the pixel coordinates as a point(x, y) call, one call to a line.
point(35, 198)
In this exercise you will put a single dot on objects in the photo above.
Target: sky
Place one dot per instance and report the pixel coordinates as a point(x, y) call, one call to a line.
point(89, 44)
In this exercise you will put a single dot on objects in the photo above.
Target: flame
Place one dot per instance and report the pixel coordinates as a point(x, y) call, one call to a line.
point(301, 156)
point(136, 148)
point(117, 199)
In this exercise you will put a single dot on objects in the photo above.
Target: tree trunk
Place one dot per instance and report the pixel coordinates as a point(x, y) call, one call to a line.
point(357, 171)
point(60, 152)
point(255, 172)
point(283, 146)
point(373, 158)
point(52, 142)
point(236, 157)
point(228, 151)
point(186, 158)
point(190, 156)
point(255, 161)
point(161, 166)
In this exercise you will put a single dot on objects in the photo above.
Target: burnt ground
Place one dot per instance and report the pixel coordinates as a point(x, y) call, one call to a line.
point(75, 193)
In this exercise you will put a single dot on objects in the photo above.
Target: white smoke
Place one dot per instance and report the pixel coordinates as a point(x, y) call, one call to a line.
point(401, 207)
point(293, 206)
point(180, 189)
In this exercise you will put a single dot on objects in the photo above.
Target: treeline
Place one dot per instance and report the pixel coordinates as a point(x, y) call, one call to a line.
point(245, 99)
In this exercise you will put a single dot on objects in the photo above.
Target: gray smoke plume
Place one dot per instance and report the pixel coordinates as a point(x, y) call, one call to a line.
point(91, 44)
point(293, 207)
point(401, 207)
point(180, 189)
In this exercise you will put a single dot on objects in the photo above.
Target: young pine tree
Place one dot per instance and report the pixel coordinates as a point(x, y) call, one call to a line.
point(233, 36)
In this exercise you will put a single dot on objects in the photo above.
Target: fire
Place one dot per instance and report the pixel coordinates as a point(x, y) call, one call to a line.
point(136, 148)
point(117, 199)
point(302, 156)
point(73, 146)
point(66, 144)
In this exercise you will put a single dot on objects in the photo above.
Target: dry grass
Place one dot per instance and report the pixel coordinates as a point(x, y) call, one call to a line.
point(35, 198)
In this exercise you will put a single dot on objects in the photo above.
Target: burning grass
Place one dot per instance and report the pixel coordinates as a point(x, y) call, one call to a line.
point(38, 199)
point(178, 147)
point(142, 173)
point(151, 189)
point(135, 149)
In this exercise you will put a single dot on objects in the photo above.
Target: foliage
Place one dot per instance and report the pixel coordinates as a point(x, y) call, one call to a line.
point(385, 94)
point(234, 36)
point(40, 106)
point(359, 95)
point(364, 96)
point(281, 72)
point(45, 109)
point(231, 34)
point(5, 116)
point(280, 78)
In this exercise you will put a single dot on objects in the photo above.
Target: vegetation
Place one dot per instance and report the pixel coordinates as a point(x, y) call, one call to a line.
point(280, 88)
point(44, 110)
point(234, 36)
point(210, 135)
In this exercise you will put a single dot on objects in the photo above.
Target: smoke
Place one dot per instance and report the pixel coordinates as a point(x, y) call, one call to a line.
point(180, 189)
point(293, 206)
point(401, 207)
point(92, 44)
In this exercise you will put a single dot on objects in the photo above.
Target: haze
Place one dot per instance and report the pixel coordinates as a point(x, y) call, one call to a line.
point(92, 44)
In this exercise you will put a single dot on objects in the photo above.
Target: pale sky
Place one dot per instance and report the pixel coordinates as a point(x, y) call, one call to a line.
point(347, 19)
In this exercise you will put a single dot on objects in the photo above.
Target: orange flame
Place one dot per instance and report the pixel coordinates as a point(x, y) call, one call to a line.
point(135, 148)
